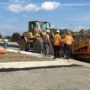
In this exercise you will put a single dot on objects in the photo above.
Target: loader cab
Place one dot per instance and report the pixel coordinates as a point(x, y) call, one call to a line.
point(40, 25)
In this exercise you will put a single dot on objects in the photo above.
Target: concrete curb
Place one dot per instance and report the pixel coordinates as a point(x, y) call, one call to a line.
point(36, 64)
point(24, 52)
point(42, 64)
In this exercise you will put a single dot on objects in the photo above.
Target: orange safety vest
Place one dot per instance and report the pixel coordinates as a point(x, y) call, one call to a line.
point(69, 39)
point(57, 40)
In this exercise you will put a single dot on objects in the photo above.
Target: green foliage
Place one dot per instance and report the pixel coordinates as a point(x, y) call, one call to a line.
point(8, 37)
point(62, 31)
point(15, 37)
point(0, 35)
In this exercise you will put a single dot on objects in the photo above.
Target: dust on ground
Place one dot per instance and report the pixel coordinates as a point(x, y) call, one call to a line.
point(12, 57)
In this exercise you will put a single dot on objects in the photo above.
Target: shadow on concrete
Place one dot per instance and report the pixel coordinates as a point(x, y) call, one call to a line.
point(83, 60)
point(34, 68)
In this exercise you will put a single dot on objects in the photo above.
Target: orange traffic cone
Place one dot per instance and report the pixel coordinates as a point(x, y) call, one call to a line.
point(3, 51)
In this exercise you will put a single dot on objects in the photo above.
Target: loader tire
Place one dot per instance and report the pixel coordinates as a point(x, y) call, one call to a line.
point(22, 44)
point(38, 45)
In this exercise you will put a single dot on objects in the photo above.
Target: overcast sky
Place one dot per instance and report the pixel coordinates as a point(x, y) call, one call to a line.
point(15, 14)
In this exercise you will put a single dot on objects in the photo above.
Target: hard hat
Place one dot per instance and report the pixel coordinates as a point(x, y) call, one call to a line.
point(58, 31)
point(48, 30)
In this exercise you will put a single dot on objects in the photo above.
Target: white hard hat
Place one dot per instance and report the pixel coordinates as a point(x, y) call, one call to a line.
point(48, 30)
point(58, 31)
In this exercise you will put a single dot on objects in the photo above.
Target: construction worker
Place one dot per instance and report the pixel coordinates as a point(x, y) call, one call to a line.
point(5, 43)
point(56, 44)
point(68, 41)
point(46, 42)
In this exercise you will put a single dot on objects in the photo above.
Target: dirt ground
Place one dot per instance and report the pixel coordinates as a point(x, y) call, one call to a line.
point(11, 57)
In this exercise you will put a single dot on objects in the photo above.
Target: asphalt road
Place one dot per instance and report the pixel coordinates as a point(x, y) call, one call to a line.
point(60, 78)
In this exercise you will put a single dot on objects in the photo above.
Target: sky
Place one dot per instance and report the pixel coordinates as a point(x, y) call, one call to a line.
point(15, 14)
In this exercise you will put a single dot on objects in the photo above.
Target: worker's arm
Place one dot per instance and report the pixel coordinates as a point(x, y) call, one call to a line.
point(48, 39)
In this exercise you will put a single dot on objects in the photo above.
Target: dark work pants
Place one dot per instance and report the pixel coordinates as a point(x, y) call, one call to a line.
point(56, 51)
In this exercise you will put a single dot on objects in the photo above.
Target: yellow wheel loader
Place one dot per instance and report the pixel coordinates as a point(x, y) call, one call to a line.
point(32, 39)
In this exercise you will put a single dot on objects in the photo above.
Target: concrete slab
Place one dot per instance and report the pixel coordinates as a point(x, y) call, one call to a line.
point(34, 64)
point(24, 52)
point(80, 63)
point(40, 64)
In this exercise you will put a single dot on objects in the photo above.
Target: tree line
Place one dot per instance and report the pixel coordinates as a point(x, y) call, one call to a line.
point(16, 36)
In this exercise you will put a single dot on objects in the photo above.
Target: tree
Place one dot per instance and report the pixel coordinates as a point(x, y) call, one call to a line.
point(63, 32)
point(8, 37)
point(82, 31)
point(0, 35)
point(15, 37)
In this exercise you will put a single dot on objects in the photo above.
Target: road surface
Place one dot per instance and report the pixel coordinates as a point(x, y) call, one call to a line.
point(59, 78)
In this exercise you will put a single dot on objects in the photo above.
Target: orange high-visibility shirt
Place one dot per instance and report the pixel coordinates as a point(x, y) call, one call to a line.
point(57, 40)
point(69, 39)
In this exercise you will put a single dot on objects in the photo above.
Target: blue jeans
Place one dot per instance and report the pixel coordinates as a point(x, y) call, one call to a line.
point(67, 50)
point(45, 48)
point(5, 45)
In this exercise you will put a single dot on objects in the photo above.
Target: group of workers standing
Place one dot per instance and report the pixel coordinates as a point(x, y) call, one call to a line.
point(56, 43)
